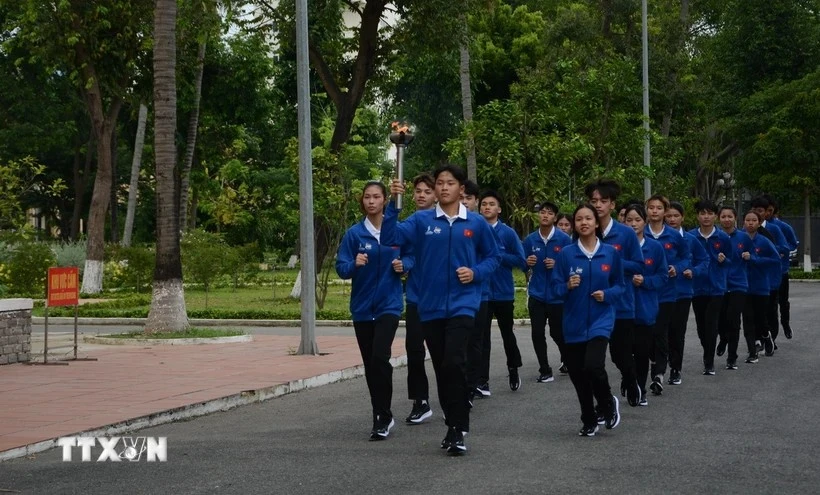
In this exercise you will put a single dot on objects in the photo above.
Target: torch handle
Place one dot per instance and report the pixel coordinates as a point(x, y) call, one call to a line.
point(399, 172)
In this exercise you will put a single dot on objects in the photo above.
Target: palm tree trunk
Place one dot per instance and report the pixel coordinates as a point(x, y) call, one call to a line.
point(193, 122)
point(467, 95)
point(168, 311)
point(133, 187)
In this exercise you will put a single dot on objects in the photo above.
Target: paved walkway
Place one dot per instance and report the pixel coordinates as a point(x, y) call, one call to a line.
point(131, 387)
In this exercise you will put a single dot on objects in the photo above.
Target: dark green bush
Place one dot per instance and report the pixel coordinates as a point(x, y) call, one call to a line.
point(26, 268)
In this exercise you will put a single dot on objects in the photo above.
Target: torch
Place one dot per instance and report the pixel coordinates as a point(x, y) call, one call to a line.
point(401, 136)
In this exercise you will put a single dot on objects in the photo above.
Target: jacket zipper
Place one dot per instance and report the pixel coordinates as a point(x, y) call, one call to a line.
point(449, 256)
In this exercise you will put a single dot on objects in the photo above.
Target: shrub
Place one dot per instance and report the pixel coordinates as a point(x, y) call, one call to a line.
point(203, 258)
point(138, 270)
point(241, 263)
point(27, 268)
point(70, 254)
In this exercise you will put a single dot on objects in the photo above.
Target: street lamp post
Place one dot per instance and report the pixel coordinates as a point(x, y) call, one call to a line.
point(306, 231)
point(647, 183)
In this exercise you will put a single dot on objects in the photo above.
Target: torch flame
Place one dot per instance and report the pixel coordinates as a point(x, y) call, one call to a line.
point(400, 127)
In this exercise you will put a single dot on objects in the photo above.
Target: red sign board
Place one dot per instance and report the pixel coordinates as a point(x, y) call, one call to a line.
point(63, 286)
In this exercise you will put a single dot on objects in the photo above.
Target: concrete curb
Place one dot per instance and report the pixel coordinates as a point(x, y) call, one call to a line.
point(92, 339)
point(39, 320)
point(200, 409)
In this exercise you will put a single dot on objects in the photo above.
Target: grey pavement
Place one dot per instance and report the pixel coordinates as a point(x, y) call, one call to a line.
point(753, 430)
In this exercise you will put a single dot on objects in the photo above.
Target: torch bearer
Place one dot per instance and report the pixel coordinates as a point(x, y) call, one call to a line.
point(401, 136)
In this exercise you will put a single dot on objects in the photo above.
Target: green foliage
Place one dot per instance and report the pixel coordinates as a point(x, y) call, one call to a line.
point(242, 264)
point(26, 268)
point(129, 267)
point(70, 254)
point(20, 179)
point(203, 257)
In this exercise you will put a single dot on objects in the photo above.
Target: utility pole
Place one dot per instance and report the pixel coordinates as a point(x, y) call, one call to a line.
point(306, 230)
point(647, 183)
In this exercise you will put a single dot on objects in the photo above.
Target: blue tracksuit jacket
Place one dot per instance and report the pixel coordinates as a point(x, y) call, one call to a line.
point(625, 242)
point(714, 283)
point(440, 249)
point(699, 262)
point(502, 287)
point(376, 287)
point(540, 287)
point(655, 277)
point(737, 280)
point(764, 268)
point(780, 243)
point(677, 254)
point(584, 317)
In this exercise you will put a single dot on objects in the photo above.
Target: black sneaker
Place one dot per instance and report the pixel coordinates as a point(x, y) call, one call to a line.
point(674, 377)
point(657, 384)
point(448, 438)
point(709, 371)
point(588, 431)
point(731, 365)
point(752, 359)
point(643, 402)
point(456, 446)
point(787, 330)
point(721, 348)
point(381, 428)
point(484, 390)
point(421, 411)
point(564, 370)
point(614, 418)
point(633, 394)
point(515, 380)
point(768, 346)
point(601, 418)
point(758, 346)
point(774, 343)
point(545, 377)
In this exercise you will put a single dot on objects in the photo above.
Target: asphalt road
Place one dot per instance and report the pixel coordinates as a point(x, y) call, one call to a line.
point(754, 430)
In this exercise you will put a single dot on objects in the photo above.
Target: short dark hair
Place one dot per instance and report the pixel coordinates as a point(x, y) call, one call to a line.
point(728, 207)
point(599, 233)
point(607, 188)
point(489, 193)
point(470, 188)
point(771, 201)
point(637, 208)
point(547, 205)
point(630, 202)
point(457, 172)
point(674, 205)
point(659, 197)
point(760, 202)
point(425, 178)
point(706, 205)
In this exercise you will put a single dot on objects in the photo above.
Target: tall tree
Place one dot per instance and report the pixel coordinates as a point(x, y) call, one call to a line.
point(98, 44)
point(133, 188)
point(168, 311)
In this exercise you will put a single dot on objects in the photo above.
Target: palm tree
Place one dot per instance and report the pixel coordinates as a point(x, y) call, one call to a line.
point(168, 311)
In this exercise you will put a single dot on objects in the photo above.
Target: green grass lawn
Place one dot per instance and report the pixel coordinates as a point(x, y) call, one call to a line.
point(259, 302)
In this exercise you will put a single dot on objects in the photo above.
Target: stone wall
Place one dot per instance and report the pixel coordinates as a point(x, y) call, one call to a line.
point(15, 330)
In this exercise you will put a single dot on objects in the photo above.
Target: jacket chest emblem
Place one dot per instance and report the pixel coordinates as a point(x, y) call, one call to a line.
point(605, 267)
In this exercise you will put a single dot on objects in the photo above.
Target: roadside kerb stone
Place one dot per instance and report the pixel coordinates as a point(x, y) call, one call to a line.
point(234, 339)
